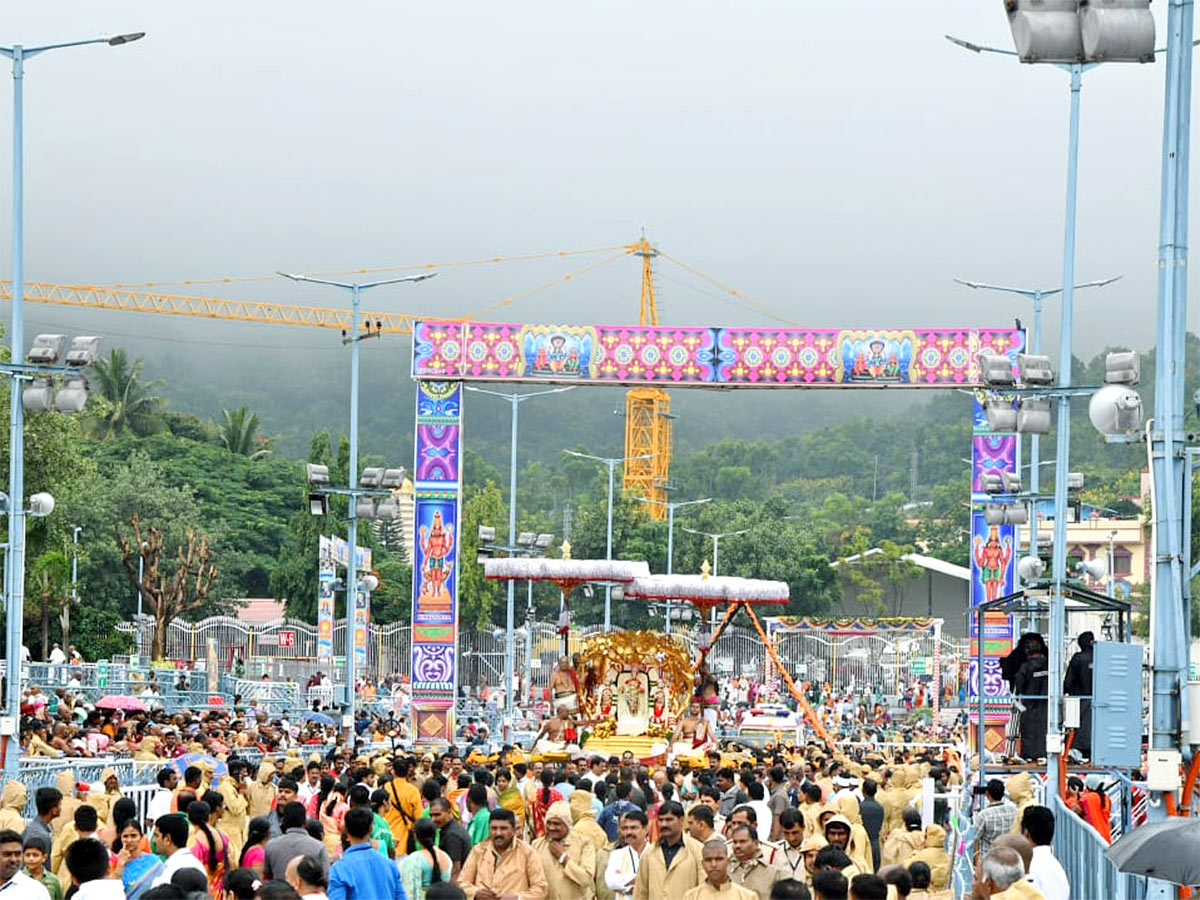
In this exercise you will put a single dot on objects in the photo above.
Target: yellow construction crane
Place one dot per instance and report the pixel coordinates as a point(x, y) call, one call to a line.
point(89, 296)
point(648, 420)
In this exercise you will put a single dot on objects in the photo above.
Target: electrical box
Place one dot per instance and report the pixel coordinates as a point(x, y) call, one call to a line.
point(348, 721)
point(1070, 712)
point(1162, 770)
point(1054, 743)
point(8, 726)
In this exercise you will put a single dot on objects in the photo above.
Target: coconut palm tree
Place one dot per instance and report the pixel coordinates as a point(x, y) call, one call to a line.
point(238, 433)
point(132, 405)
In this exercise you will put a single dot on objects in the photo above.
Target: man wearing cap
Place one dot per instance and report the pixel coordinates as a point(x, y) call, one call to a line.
point(568, 860)
point(717, 884)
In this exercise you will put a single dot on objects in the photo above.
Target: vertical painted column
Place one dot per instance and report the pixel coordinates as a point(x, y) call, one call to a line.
point(994, 552)
point(437, 506)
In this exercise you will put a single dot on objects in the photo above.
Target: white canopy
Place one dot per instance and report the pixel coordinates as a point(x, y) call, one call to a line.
point(526, 568)
point(708, 589)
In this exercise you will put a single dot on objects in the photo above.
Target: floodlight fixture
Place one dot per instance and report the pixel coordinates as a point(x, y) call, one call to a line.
point(991, 482)
point(482, 555)
point(318, 504)
point(526, 538)
point(41, 505)
point(1001, 414)
point(369, 582)
point(1115, 409)
point(371, 477)
point(364, 508)
point(393, 478)
point(386, 510)
point(72, 397)
point(1033, 416)
point(83, 352)
point(1035, 370)
point(487, 534)
point(1117, 30)
point(1030, 568)
point(543, 541)
point(1074, 481)
point(618, 592)
point(46, 349)
point(317, 474)
point(38, 395)
point(1094, 569)
point(1123, 368)
point(996, 370)
point(1005, 514)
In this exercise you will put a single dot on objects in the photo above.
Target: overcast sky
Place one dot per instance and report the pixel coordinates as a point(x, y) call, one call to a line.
point(837, 162)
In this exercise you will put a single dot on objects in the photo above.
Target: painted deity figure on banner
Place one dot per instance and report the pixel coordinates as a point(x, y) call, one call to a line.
point(558, 353)
point(437, 541)
point(876, 356)
point(992, 556)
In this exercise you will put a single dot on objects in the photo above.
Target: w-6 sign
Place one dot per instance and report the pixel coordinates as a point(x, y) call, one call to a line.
point(287, 639)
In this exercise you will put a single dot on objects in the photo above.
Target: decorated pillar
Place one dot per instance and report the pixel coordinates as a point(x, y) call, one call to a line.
point(994, 551)
point(437, 506)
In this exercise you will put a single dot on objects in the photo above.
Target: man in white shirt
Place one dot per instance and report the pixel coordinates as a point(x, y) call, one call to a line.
point(57, 657)
point(1046, 872)
point(595, 771)
point(311, 785)
point(160, 803)
point(623, 863)
point(15, 884)
point(170, 840)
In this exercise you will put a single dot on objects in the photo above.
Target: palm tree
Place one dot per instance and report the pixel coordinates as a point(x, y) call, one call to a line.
point(131, 404)
point(52, 575)
point(238, 429)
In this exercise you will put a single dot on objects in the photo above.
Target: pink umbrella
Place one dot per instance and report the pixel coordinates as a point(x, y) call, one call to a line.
point(126, 702)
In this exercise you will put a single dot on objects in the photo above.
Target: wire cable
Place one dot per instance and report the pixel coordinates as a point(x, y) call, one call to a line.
point(753, 304)
point(509, 301)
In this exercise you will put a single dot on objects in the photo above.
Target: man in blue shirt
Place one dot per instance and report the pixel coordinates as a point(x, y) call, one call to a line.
point(361, 873)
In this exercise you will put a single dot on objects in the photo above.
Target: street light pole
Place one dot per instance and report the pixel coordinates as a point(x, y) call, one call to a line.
point(716, 542)
point(612, 463)
point(510, 623)
point(355, 288)
point(671, 506)
point(14, 569)
point(1037, 295)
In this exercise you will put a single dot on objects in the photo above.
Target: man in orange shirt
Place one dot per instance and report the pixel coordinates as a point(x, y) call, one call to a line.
point(405, 806)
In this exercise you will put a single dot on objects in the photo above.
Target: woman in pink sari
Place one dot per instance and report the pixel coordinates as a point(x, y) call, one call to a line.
point(332, 813)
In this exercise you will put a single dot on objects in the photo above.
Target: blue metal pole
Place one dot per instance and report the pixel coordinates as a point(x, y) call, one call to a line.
point(1168, 599)
point(509, 662)
point(352, 599)
point(1063, 443)
point(14, 570)
point(612, 464)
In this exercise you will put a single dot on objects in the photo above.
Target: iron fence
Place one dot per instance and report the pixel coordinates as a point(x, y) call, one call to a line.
point(286, 650)
point(1080, 849)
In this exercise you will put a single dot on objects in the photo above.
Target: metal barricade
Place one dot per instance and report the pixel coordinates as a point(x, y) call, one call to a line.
point(1080, 849)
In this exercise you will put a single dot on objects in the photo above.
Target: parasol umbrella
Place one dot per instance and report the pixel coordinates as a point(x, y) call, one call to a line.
point(708, 591)
point(180, 763)
point(1165, 850)
point(127, 702)
point(318, 718)
point(566, 574)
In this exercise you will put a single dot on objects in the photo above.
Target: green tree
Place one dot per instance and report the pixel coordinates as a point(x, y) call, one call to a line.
point(51, 576)
point(130, 402)
point(477, 596)
point(238, 431)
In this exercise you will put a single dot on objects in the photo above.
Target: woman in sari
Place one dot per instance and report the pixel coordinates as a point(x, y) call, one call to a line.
point(425, 863)
point(209, 845)
point(540, 802)
point(136, 867)
point(509, 797)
